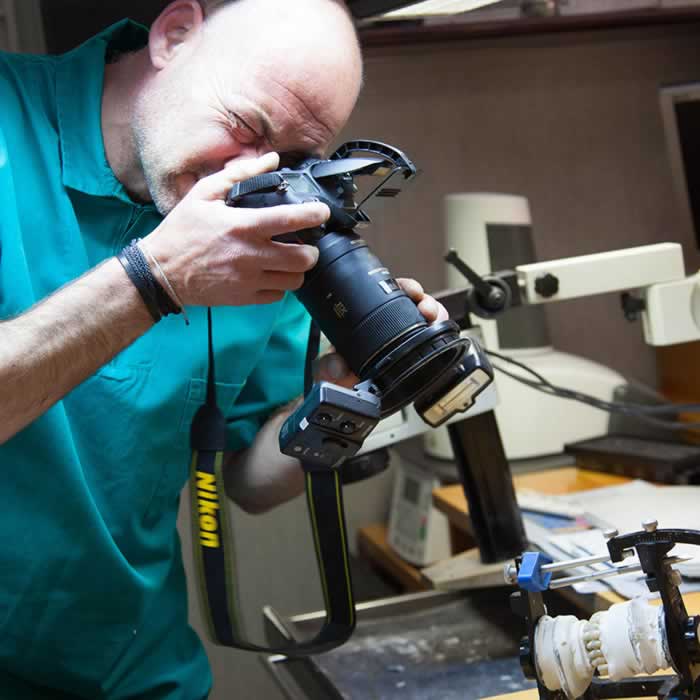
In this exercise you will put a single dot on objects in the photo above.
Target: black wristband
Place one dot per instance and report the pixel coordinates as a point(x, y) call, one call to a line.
point(156, 299)
point(166, 305)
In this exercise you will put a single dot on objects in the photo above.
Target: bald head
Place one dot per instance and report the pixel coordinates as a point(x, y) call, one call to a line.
point(230, 79)
point(270, 11)
point(209, 6)
point(308, 47)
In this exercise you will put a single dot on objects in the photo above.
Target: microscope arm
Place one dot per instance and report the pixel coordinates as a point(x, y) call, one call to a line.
point(612, 271)
point(670, 308)
point(669, 304)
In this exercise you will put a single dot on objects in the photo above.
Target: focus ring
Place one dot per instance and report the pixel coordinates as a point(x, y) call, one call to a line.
point(387, 323)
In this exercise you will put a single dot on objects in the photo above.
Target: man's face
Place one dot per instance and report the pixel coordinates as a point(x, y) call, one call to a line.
point(210, 108)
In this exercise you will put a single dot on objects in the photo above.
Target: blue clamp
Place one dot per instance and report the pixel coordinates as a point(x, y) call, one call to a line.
point(530, 575)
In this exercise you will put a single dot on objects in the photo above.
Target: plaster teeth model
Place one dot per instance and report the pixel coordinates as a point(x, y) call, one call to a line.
point(561, 655)
point(633, 639)
point(625, 640)
point(591, 638)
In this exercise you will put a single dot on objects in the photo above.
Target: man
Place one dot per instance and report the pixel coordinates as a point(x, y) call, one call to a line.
point(140, 135)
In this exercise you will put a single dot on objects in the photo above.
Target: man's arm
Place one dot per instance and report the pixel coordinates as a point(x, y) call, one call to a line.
point(60, 342)
point(261, 477)
point(212, 254)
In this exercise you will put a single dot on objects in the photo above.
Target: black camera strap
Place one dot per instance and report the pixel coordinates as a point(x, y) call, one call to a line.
point(213, 543)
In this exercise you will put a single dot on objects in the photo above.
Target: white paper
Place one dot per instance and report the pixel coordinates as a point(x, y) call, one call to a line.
point(624, 508)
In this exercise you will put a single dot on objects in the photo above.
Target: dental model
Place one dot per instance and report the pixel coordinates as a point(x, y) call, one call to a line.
point(625, 640)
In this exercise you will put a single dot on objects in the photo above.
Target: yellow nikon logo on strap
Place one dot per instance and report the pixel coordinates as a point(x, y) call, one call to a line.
point(208, 505)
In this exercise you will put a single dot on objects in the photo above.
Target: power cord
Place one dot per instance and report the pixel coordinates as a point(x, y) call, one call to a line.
point(642, 412)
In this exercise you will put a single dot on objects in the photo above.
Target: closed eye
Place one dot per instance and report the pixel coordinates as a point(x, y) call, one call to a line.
point(243, 130)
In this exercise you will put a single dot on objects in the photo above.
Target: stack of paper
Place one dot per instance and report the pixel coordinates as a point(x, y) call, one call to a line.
point(624, 508)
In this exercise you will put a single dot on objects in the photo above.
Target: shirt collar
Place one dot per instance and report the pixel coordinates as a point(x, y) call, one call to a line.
point(79, 83)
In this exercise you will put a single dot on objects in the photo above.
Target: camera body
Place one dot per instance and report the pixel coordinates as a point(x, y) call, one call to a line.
point(288, 186)
point(328, 181)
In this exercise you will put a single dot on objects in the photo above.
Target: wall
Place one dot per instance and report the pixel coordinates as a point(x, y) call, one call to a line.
point(8, 27)
point(21, 27)
point(30, 27)
point(570, 120)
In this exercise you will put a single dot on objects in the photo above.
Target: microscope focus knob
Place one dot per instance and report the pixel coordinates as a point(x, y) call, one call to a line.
point(547, 285)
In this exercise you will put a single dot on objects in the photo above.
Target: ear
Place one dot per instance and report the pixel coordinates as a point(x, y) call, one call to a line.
point(176, 26)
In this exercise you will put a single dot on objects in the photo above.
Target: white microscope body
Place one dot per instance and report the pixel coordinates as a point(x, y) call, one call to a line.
point(493, 232)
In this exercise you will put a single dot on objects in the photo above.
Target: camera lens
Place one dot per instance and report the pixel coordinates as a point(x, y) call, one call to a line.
point(348, 427)
point(344, 294)
point(373, 324)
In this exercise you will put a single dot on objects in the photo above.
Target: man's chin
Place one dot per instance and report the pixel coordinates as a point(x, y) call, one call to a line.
point(164, 205)
point(166, 199)
point(170, 194)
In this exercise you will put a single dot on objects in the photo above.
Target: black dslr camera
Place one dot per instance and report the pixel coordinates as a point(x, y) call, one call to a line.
point(361, 309)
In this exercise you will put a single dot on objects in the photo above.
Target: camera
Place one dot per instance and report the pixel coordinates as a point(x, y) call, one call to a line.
point(355, 300)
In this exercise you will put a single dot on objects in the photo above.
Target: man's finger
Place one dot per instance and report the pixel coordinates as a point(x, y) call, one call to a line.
point(412, 288)
point(433, 310)
point(429, 308)
point(277, 280)
point(290, 257)
point(217, 186)
point(332, 368)
point(284, 218)
point(268, 296)
point(443, 315)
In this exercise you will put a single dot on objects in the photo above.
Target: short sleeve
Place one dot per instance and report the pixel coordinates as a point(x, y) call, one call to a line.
point(277, 378)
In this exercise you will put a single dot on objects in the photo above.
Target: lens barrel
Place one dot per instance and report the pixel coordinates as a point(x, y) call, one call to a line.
point(355, 301)
point(373, 324)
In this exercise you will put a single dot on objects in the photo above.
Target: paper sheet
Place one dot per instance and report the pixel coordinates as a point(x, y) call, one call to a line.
point(624, 508)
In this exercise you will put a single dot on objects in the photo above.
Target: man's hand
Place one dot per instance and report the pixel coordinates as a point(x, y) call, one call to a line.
point(333, 368)
point(215, 255)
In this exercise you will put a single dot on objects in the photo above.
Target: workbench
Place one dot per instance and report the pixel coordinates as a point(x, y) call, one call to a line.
point(450, 500)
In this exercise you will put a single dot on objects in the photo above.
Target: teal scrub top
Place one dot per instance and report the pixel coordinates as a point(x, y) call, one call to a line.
point(92, 588)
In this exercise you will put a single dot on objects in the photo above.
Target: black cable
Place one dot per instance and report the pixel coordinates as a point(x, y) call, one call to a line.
point(641, 412)
point(664, 407)
point(602, 405)
point(522, 365)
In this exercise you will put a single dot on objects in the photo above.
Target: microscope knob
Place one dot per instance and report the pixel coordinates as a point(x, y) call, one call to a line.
point(650, 525)
point(547, 285)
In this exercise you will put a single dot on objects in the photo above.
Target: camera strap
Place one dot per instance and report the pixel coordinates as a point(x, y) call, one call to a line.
point(213, 542)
